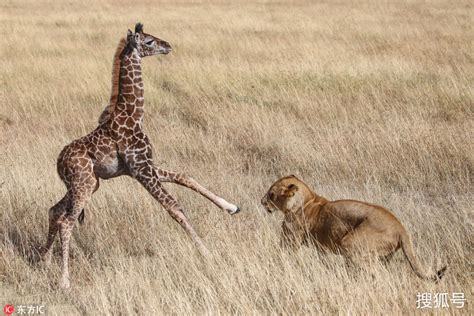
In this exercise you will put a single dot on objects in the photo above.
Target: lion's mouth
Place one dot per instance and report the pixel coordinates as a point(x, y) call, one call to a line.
point(267, 205)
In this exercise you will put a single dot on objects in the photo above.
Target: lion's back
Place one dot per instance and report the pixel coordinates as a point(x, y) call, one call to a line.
point(355, 213)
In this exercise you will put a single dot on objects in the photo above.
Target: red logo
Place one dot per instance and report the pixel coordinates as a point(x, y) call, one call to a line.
point(8, 309)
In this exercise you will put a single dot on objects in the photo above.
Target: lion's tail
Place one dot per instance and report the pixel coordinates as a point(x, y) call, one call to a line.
point(407, 247)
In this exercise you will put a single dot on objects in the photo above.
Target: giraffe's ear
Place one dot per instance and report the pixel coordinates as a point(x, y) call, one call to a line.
point(129, 34)
point(137, 38)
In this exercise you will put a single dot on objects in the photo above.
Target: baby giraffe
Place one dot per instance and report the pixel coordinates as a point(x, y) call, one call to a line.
point(117, 147)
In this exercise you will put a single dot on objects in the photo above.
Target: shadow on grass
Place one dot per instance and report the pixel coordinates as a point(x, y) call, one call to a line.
point(25, 245)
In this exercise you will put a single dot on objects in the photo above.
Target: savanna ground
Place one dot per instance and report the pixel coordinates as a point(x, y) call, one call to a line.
point(369, 100)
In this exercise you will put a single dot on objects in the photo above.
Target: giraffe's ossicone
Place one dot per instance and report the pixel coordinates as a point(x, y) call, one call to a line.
point(119, 146)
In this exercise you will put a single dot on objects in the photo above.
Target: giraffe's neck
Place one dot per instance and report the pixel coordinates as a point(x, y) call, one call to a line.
point(130, 98)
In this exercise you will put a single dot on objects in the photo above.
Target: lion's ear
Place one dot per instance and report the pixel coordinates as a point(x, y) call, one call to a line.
point(290, 190)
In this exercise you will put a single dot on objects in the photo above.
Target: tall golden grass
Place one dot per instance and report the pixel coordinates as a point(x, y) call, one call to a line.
point(369, 100)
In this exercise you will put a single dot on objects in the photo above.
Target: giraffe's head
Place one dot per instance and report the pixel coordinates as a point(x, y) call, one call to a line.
point(146, 44)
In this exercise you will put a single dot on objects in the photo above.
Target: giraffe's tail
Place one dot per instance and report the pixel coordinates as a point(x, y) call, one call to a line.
point(81, 217)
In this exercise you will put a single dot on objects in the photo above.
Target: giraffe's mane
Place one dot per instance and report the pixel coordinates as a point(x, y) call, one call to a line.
point(105, 116)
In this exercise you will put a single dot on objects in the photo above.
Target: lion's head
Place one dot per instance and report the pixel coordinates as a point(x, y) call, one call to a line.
point(286, 194)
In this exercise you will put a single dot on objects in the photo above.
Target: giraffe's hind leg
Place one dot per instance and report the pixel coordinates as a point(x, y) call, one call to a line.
point(81, 185)
point(58, 210)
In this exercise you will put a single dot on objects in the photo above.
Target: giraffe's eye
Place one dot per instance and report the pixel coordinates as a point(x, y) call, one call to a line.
point(149, 43)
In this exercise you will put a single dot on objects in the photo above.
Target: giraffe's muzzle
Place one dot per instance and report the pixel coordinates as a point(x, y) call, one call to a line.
point(165, 48)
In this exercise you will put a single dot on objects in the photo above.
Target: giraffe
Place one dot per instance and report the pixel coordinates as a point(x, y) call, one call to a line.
point(117, 147)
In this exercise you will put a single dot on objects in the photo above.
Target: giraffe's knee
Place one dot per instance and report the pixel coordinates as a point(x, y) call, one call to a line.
point(177, 213)
point(179, 178)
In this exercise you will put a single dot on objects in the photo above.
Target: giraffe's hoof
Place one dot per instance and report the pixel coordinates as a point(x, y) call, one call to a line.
point(65, 284)
point(46, 259)
point(235, 212)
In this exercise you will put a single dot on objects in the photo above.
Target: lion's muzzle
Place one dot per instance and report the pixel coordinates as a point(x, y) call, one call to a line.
point(266, 204)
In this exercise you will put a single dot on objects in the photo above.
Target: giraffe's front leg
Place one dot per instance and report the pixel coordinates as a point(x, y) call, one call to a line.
point(148, 177)
point(184, 180)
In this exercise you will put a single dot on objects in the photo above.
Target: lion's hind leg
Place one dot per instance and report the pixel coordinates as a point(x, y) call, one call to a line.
point(387, 258)
point(364, 247)
point(367, 242)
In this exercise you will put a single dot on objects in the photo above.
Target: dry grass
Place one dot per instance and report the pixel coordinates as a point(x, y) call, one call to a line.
point(367, 100)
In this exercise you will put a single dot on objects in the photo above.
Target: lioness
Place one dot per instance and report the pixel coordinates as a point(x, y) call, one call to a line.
point(349, 227)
